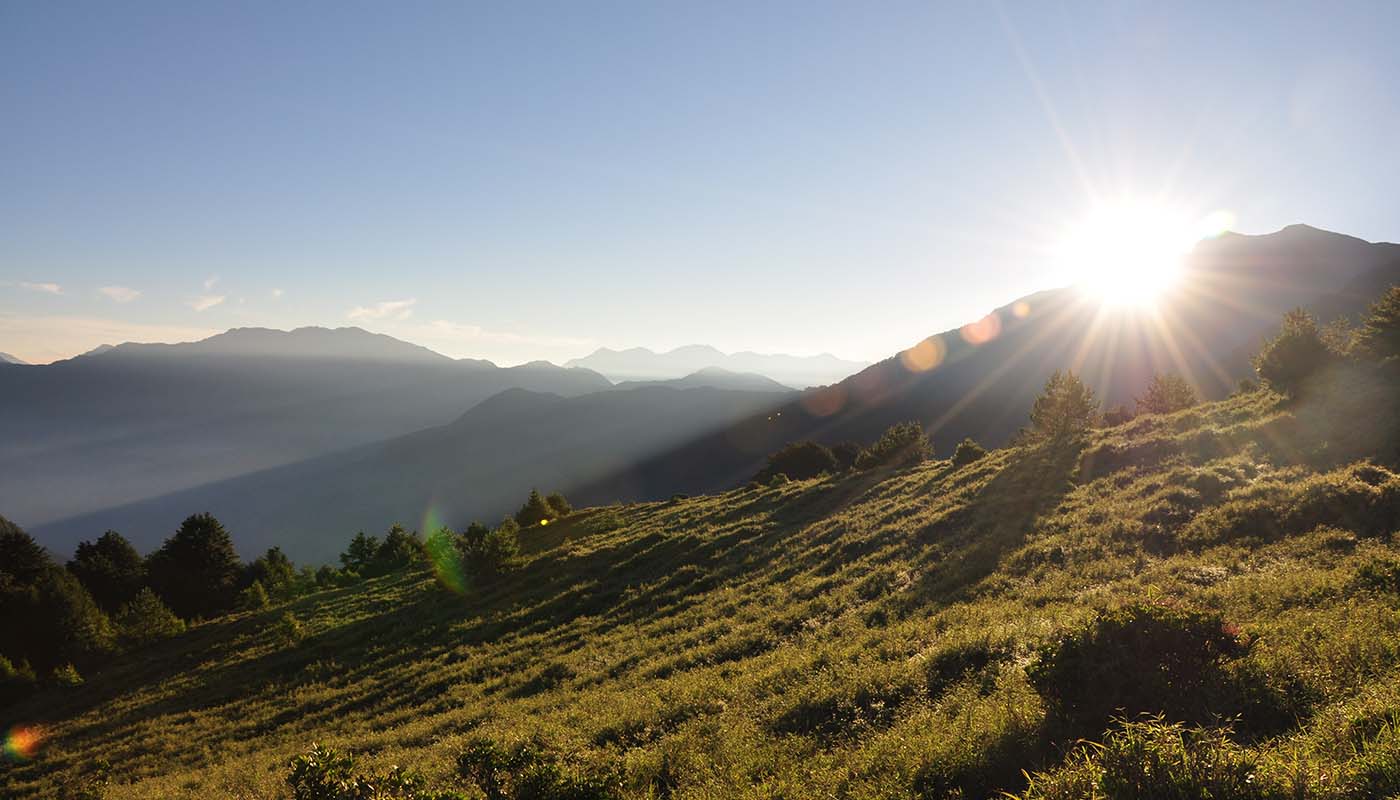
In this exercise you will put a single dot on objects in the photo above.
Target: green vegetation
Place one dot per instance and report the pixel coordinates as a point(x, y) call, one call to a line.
point(1297, 353)
point(901, 445)
point(1200, 603)
point(1167, 394)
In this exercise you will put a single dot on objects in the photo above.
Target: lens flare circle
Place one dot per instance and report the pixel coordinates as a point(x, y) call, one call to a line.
point(22, 742)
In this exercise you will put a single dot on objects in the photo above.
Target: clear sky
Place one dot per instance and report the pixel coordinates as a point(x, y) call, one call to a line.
point(520, 180)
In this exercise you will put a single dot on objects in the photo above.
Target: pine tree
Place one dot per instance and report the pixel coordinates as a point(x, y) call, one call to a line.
point(1166, 394)
point(196, 571)
point(146, 619)
point(1379, 337)
point(535, 511)
point(110, 569)
point(359, 556)
point(1064, 409)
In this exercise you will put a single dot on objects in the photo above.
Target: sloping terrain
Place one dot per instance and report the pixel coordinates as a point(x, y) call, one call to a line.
point(977, 381)
point(876, 634)
point(476, 467)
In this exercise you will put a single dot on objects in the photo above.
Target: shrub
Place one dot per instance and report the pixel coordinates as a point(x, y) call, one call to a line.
point(1142, 658)
point(901, 445)
point(110, 569)
point(558, 505)
point(274, 571)
point(781, 479)
point(1379, 336)
point(1297, 353)
point(799, 461)
point(288, 629)
point(16, 681)
point(196, 571)
point(845, 454)
point(1166, 394)
point(1117, 416)
point(967, 452)
point(253, 598)
point(529, 771)
point(326, 774)
point(146, 619)
point(487, 552)
point(534, 511)
point(1065, 408)
point(67, 676)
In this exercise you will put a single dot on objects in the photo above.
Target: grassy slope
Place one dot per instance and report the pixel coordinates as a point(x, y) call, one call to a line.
point(801, 641)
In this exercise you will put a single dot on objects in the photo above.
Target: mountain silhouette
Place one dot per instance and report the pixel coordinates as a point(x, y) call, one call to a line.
point(640, 364)
point(715, 378)
point(6, 358)
point(979, 381)
point(142, 420)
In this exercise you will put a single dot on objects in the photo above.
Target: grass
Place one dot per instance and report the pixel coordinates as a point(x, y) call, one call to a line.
point(861, 636)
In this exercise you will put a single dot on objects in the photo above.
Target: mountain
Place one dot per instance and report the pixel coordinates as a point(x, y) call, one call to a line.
point(641, 364)
point(931, 632)
point(479, 466)
point(715, 378)
point(6, 358)
point(977, 381)
point(143, 420)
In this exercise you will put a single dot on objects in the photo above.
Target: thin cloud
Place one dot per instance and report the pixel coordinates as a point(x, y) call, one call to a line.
point(120, 294)
point(276, 294)
point(206, 301)
point(385, 309)
point(51, 288)
point(210, 281)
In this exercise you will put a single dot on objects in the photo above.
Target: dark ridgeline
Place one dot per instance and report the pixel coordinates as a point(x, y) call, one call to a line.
point(977, 382)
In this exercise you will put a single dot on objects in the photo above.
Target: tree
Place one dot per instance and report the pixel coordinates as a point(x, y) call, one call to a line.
point(1297, 353)
point(359, 556)
point(110, 569)
point(559, 505)
point(901, 445)
point(799, 461)
point(968, 451)
point(1064, 409)
point(196, 571)
point(146, 619)
point(46, 616)
point(489, 552)
point(399, 549)
point(535, 510)
point(1166, 394)
point(253, 597)
point(274, 571)
point(1379, 337)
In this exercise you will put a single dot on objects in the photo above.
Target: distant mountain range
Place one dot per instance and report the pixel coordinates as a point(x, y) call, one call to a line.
point(641, 364)
point(979, 381)
point(6, 358)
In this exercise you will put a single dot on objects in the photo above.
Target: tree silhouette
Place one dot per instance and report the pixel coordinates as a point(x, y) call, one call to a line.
point(1286, 361)
point(535, 510)
point(359, 555)
point(196, 571)
point(1379, 337)
point(110, 569)
point(799, 461)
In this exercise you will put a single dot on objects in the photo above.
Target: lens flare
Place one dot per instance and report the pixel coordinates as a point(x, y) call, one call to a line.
point(441, 546)
point(925, 355)
point(1021, 310)
point(824, 402)
point(22, 742)
point(983, 330)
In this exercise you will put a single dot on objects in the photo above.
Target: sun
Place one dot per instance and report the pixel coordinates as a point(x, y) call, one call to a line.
point(1129, 253)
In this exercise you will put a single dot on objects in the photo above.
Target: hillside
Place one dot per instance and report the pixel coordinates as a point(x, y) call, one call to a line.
point(977, 380)
point(476, 467)
point(875, 634)
point(641, 364)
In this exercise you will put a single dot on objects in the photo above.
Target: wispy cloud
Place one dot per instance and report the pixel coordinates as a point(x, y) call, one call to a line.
point(120, 294)
point(463, 332)
point(276, 294)
point(385, 309)
point(210, 281)
point(206, 301)
point(51, 288)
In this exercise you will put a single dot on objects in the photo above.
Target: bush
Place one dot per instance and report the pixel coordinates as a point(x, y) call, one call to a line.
point(1166, 394)
point(274, 571)
point(253, 598)
point(967, 452)
point(799, 461)
point(67, 676)
point(288, 629)
point(196, 571)
point(901, 445)
point(16, 681)
point(1142, 658)
point(326, 774)
point(529, 771)
point(845, 454)
point(1297, 353)
point(146, 619)
point(487, 552)
point(1065, 408)
point(558, 505)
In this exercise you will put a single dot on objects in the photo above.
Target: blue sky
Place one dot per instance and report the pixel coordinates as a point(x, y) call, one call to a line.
point(521, 180)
